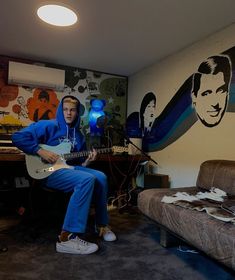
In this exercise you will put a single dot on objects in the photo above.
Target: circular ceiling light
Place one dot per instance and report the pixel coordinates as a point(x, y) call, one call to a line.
point(57, 15)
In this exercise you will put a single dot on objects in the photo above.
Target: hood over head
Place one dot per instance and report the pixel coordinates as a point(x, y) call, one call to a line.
point(60, 114)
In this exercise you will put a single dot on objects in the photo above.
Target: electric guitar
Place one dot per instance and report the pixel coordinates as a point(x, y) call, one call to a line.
point(40, 169)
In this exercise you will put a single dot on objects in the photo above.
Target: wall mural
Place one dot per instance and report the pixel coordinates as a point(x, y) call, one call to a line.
point(22, 105)
point(205, 96)
point(140, 123)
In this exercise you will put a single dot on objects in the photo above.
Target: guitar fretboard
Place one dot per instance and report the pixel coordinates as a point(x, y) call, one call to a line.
point(86, 153)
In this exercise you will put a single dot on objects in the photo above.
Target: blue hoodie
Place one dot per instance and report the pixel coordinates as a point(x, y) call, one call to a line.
point(50, 132)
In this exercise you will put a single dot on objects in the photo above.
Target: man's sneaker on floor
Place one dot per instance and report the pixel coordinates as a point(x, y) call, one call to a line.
point(106, 233)
point(75, 245)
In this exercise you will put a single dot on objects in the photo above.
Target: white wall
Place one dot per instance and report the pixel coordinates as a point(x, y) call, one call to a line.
point(181, 159)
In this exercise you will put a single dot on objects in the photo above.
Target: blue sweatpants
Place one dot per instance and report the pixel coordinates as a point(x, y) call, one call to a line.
point(86, 185)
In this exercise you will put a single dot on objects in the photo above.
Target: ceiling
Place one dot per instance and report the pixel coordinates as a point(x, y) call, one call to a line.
point(114, 36)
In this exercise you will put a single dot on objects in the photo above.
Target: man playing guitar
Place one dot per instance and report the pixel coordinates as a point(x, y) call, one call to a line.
point(84, 183)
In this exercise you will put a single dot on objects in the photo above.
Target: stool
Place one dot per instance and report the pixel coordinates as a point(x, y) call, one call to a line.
point(44, 200)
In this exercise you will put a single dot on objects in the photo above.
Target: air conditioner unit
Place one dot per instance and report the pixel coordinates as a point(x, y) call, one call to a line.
point(35, 76)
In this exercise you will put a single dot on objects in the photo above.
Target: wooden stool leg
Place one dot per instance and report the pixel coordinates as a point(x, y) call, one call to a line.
point(3, 248)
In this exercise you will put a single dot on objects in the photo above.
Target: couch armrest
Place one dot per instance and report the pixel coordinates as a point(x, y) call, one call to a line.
point(218, 174)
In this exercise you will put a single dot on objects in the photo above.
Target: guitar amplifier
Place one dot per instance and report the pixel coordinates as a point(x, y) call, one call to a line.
point(156, 181)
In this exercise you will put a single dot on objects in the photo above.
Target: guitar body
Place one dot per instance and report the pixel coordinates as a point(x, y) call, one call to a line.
point(39, 169)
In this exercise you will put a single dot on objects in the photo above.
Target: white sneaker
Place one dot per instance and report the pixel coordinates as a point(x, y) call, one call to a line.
point(106, 233)
point(76, 246)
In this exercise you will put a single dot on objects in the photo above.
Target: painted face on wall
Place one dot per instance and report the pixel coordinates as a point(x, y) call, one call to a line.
point(149, 114)
point(211, 100)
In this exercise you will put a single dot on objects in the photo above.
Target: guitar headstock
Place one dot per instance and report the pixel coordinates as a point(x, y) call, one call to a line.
point(119, 149)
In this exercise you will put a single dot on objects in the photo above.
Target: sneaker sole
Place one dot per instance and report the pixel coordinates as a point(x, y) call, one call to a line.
point(62, 249)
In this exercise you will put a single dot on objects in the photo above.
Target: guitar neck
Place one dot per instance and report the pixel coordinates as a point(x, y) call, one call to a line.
point(86, 153)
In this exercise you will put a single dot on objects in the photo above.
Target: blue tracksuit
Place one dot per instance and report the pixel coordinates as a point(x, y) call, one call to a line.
point(84, 182)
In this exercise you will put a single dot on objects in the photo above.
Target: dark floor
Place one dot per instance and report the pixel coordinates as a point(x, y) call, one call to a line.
point(135, 255)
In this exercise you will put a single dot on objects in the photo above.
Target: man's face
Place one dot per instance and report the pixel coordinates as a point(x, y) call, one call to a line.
point(211, 100)
point(70, 112)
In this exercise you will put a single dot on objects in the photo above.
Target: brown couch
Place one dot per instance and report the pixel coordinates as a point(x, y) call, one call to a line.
point(214, 237)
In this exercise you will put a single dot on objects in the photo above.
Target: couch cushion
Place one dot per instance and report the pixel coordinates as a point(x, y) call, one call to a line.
point(219, 174)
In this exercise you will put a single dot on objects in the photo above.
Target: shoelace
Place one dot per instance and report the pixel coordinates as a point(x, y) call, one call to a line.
point(82, 241)
point(73, 237)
